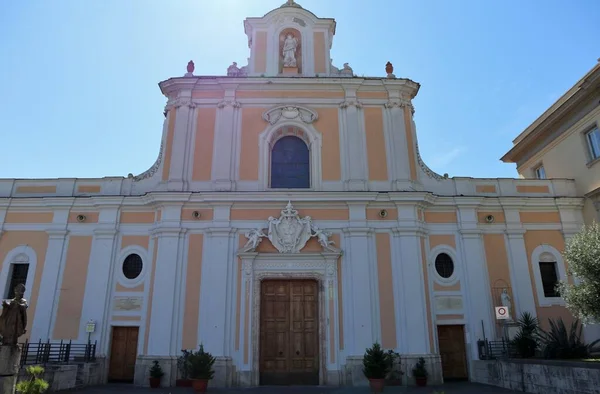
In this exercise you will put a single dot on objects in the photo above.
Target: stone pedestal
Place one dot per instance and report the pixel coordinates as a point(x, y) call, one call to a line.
point(290, 70)
point(10, 360)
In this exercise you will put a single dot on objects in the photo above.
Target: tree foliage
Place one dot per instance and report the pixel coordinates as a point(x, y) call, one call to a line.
point(582, 254)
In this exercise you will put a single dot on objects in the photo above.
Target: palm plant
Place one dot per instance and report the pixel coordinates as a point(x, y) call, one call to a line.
point(560, 343)
point(526, 340)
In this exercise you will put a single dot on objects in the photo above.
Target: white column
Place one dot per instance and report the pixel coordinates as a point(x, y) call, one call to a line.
point(411, 305)
point(98, 284)
point(47, 302)
point(183, 122)
point(359, 305)
point(224, 143)
point(354, 142)
point(162, 338)
point(218, 277)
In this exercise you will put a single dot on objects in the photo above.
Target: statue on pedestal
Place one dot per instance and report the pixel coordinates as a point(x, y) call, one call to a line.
point(505, 298)
point(13, 321)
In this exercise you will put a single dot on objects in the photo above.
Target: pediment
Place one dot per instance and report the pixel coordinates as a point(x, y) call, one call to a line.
point(282, 113)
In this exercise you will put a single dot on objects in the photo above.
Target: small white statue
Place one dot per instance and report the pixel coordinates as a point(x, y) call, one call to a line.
point(505, 299)
point(289, 51)
point(255, 237)
point(322, 237)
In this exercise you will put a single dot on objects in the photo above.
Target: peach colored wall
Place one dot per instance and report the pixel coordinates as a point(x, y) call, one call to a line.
point(410, 143)
point(89, 189)
point(38, 241)
point(90, 217)
point(328, 126)
point(208, 94)
point(205, 214)
point(371, 95)
point(139, 240)
point(204, 143)
point(36, 189)
point(136, 289)
point(192, 292)
point(319, 44)
point(539, 217)
point(377, 159)
point(386, 291)
point(427, 292)
point(260, 52)
point(442, 287)
point(150, 293)
point(137, 217)
point(532, 189)
point(497, 264)
point(238, 304)
point(440, 217)
point(281, 94)
point(72, 289)
point(28, 217)
point(252, 126)
point(169, 143)
point(485, 188)
point(554, 238)
point(340, 293)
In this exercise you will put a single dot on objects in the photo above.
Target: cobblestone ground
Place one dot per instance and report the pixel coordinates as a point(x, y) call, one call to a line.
point(449, 388)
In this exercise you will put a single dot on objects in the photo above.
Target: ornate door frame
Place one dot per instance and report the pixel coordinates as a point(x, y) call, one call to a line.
point(321, 267)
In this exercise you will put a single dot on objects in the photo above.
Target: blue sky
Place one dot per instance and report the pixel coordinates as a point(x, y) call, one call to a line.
point(80, 77)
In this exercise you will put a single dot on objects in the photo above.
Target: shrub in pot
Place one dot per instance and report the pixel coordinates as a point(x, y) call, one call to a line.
point(34, 384)
point(156, 374)
point(377, 364)
point(183, 366)
point(420, 372)
point(201, 369)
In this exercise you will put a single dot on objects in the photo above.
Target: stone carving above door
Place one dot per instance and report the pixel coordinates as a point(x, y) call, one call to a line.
point(289, 233)
point(290, 112)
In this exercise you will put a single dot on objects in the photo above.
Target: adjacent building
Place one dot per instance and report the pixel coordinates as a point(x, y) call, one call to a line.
point(287, 224)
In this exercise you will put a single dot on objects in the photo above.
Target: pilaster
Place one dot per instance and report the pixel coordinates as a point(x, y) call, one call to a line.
point(359, 303)
point(184, 116)
point(397, 145)
point(163, 338)
point(354, 141)
point(216, 289)
point(223, 170)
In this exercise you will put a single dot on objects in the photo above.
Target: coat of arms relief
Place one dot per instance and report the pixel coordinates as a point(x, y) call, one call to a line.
point(289, 233)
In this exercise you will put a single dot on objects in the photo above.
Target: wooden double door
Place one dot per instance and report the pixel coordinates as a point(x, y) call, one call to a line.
point(451, 341)
point(289, 332)
point(123, 354)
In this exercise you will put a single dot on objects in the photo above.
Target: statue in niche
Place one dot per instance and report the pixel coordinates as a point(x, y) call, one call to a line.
point(254, 237)
point(289, 51)
point(505, 299)
point(13, 321)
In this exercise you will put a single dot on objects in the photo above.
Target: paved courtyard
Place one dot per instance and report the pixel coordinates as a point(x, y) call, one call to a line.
point(449, 388)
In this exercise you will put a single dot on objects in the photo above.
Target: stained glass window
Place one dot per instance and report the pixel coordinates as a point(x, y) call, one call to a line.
point(290, 164)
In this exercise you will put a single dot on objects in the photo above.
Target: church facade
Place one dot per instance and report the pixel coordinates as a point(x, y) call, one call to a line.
point(288, 223)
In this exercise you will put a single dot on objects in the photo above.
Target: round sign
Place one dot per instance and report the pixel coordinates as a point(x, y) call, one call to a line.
point(502, 311)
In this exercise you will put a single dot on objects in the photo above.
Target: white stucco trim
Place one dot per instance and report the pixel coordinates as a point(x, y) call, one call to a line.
point(22, 254)
point(266, 141)
point(560, 266)
point(121, 279)
point(456, 273)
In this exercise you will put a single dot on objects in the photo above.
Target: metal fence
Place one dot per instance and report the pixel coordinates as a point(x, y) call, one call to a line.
point(57, 352)
point(492, 350)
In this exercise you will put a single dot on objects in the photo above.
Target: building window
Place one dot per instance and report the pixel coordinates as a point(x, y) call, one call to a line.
point(549, 274)
point(444, 265)
point(18, 275)
point(290, 164)
point(132, 266)
point(593, 139)
point(540, 173)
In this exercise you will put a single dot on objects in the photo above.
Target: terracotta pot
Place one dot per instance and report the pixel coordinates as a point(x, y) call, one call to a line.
point(200, 385)
point(389, 68)
point(376, 385)
point(183, 383)
point(154, 383)
point(421, 381)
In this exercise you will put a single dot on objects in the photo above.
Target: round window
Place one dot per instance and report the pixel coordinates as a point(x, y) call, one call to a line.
point(444, 265)
point(132, 266)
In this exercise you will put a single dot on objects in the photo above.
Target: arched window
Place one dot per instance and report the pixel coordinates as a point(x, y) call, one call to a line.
point(290, 164)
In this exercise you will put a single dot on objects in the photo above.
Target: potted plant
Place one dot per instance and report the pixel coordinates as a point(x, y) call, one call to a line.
point(34, 384)
point(183, 366)
point(394, 377)
point(200, 369)
point(376, 365)
point(420, 373)
point(156, 374)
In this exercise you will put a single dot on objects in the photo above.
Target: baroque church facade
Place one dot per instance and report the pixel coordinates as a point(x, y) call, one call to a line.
point(288, 223)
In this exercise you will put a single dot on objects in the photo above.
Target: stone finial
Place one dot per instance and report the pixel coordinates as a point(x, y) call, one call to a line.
point(389, 69)
point(190, 69)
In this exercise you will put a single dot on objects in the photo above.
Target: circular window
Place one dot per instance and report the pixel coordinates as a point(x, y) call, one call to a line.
point(444, 265)
point(132, 266)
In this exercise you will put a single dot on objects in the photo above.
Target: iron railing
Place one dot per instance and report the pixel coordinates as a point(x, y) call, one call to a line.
point(492, 350)
point(62, 352)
